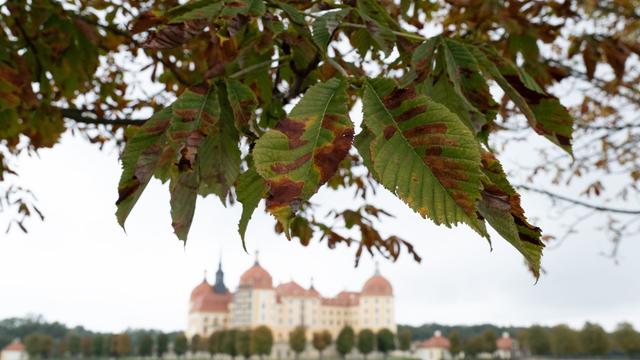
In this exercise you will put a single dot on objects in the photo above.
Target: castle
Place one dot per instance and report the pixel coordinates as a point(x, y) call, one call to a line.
point(286, 306)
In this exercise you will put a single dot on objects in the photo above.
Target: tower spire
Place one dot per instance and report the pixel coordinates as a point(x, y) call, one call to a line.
point(377, 269)
point(256, 261)
point(205, 275)
point(219, 287)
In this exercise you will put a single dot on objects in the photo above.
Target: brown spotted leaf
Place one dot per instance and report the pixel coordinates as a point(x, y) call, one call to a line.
point(243, 102)
point(500, 206)
point(423, 153)
point(195, 117)
point(458, 84)
point(219, 159)
point(423, 57)
point(174, 35)
point(544, 112)
point(304, 150)
point(139, 160)
point(146, 20)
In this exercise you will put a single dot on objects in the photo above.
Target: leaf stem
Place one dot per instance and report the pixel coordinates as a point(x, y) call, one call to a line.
point(257, 66)
point(398, 33)
point(337, 66)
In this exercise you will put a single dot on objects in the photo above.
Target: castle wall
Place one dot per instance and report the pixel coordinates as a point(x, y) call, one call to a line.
point(252, 307)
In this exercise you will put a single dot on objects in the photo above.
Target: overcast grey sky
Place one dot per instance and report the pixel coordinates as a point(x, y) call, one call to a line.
point(79, 267)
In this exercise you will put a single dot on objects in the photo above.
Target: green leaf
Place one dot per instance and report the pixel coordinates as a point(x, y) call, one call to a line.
point(219, 155)
point(183, 189)
point(500, 206)
point(255, 8)
point(294, 14)
point(464, 74)
point(362, 142)
point(361, 41)
point(243, 102)
point(456, 81)
point(423, 57)
point(378, 23)
point(194, 144)
point(324, 26)
point(304, 150)
point(194, 10)
point(545, 113)
point(423, 153)
point(139, 160)
point(250, 189)
point(196, 113)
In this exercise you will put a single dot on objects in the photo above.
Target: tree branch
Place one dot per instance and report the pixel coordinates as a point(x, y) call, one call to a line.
point(79, 116)
point(579, 202)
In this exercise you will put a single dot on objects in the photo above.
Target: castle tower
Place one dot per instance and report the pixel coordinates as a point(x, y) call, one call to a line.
point(377, 303)
point(219, 287)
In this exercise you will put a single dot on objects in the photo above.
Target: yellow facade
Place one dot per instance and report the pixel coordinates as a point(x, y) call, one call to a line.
point(284, 307)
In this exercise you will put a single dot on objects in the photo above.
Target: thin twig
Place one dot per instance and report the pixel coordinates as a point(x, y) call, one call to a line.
point(253, 67)
point(78, 115)
point(398, 33)
point(579, 202)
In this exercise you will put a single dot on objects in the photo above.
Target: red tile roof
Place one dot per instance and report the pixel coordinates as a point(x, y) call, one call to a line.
point(14, 346)
point(377, 285)
point(344, 298)
point(313, 292)
point(504, 343)
point(436, 341)
point(292, 288)
point(256, 277)
point(211, 302)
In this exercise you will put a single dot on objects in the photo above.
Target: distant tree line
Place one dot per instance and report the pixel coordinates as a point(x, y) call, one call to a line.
point(560, 340)
point(55, 340)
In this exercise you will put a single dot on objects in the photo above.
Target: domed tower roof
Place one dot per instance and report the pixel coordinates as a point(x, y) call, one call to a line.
point(377, 285)
point(202, 288)
point(256, 277)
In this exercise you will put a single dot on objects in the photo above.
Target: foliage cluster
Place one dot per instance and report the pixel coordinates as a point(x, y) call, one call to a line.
point(436, 109)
